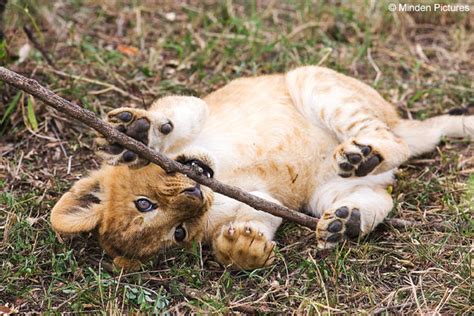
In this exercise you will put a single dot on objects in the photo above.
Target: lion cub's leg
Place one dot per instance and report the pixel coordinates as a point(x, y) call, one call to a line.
point(350, 210)
point(245, 242)
point(170, 124)
point(357, 116)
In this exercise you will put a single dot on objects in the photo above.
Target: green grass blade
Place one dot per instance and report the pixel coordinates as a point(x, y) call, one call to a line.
point(31, 114)
point(11, 107)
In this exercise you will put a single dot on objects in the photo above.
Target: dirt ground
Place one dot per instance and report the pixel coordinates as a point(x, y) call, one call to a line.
point(107, 54)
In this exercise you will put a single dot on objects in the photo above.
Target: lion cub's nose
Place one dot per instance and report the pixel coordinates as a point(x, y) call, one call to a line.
point(194, 191)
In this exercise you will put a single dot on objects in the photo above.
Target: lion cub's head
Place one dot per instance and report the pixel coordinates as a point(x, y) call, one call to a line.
point(136, 212)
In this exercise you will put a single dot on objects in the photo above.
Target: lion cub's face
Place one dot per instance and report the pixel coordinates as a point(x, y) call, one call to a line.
point(136, 211)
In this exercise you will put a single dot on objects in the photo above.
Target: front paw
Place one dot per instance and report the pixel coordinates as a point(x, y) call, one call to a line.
point(243, 246)
point(134, 123)
point(354, 159)
point(336, 225)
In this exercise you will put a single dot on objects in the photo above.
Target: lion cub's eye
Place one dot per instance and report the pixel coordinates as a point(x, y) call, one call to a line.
point(179, 233)
point(144, 205)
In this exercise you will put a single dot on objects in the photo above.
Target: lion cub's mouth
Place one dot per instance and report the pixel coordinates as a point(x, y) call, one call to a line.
point(198, 165)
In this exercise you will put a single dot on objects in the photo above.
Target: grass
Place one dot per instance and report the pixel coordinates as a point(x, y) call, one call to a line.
point(113, 55)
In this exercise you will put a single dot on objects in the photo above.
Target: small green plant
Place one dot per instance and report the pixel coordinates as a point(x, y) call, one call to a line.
point(147, 300)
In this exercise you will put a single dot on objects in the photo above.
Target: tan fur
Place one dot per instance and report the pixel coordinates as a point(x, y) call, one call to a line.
point(286, 138)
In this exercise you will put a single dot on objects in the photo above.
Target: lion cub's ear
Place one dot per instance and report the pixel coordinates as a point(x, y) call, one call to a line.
point(79, 210)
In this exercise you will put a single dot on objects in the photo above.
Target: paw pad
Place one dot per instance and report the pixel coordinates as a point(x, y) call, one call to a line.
point(367, 166)
point(335, 226)
point(357, 160)
point(125, 116)
point(129, 156)
point(166, 128)
point(342, 212)
point(334, 238)
point(131, 122)
point(354, 158)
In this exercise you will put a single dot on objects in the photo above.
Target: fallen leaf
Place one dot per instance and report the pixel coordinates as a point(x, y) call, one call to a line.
point(127, 50)
point(5, 310)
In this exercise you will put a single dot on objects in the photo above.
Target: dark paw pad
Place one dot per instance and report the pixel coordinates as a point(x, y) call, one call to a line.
point(335, 226)
point(132, 125)
point(354, 158)
point(114, 149)
point(342, 212)
point(129, 156)
point(344, 223)
point(368, 165)
point(334, 238)
point(365, 150)
point(125, 116)
point(359, 163)
point(353, 224)
point(131, 122)
point(139, 130)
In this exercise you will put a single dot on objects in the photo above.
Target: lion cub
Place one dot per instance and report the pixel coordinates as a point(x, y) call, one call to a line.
point(310, 139)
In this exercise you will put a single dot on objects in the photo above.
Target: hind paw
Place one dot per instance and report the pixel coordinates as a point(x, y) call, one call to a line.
point(243, 246)
point(354, 159)
point(336, 225)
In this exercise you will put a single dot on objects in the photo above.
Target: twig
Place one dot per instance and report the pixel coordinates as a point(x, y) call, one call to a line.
point(99, 83)
point(404, 224)
point(37, 45)
point(374, 65)
point(90, 119)
point(302, 28)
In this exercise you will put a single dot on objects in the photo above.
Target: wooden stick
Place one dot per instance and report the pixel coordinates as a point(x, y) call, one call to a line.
point(90, 119)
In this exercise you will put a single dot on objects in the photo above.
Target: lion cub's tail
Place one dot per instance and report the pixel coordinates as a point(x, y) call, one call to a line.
point(423, 136)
